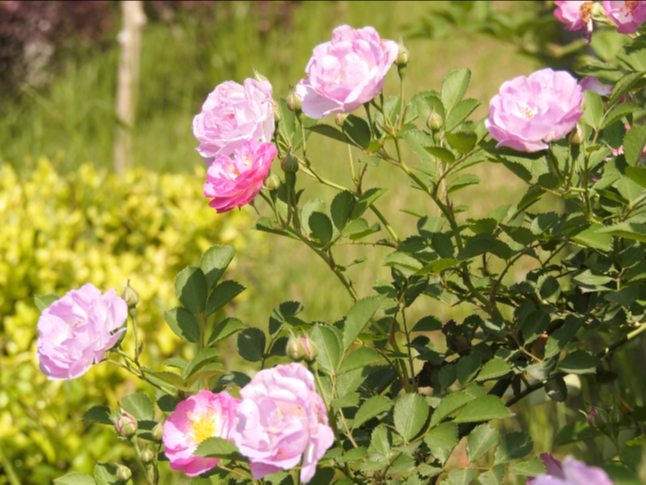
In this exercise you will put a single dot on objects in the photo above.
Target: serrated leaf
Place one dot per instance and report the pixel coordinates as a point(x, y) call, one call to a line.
point(467, 367)
point(483, 408)
point(44, 301)
point(617, 113)
point(480, 440)
point(223, 294)
point(593, 109)
point(214, 263)
point(493, 369)
point(441, 440)
point(361, 357)
point(458, 114)
point(449, 404)
point(410, 415)
point(329, 132)
point(580, 362)
point(357, 130)
point(166, 402)
point(285, 312)
point(428, 323)
point(629, 230)
point(357, 318)
point(183, 323)
point(593, 236)
point(191, 289)
point(381, 440)
point(328, 341)
point(623, 86)
point(442, 153)
point(405, 463)
point(250, 344)
point(418, 149)
point(463, 141)
point(493, 476)
point(75, 478)
point(234, 377)
point(454, 86)
point(562, 336)
point(225, 329)
point(512, 446)
point(203, 356)
point(215, 447)
point(321, 227)
point(365, 200)
point(462, 181)
point(350, 400)
point(106, 474)
point(556, 389)
point(371, 408)
point(341, 208)
point(354, 454)
point(637, 175)
point(100, 414)
point(531, 468)
point(577, 431)
point(462, 476)
point(311, 206)
point(139, 406)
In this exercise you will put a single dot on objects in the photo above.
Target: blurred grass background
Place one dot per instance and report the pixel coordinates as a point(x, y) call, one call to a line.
point(70, 121)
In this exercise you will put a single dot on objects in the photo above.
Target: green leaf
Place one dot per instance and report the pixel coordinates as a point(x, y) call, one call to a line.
point(425, 103)
point(556, 389)
point(329, 132)
point(191, 289)
point(350, 400)
point(512, 446)
point(341, 208)
point(214, 263)
point(630, 190)
point(441, 153)
point(462, 181)
point(358, 317)
point(404, 464)
point(618, 113)
point(371, 408)
point(577, 431)
point(418, 149)
point(454, 86)
point(484, 408)
point(44, 301)
point(357, 130)
point(623, 86)
point(457, 115)
point(462, 476)
point(219, 448)
point(593, 109)
point(593, 236)
point(106, 474)
point(284, 313)
point(529, 468)
point(410, 415)
point(549, 288)
point(480, 440)
point(561, 337)
point(637, 175)
point(166, 402)
point(493, 369)
point(580, 362)
point(361, 357)
point(223, 294)
point(75, 478)
point(624, 297)
point(139, 406)
point(428, 323)
point(100, 414)
point(225, 329)
point(234, 377)
point(354, 454)
point(203, 356)
point(402, 262)
point(449, 404)
point(467, 367)
point(462, 141)
point(321, 227)
point(381, 440)
point(365, 201)
point(250, 344)
point(328, 341)
point(493, 476)
point(183, 323)
point(591, 279)
point(311, 206)
point(629, 230)
point(441, 440)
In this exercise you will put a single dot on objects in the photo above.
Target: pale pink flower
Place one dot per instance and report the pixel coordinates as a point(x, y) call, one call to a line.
point(575, 15)
point(529, 112)
point(204, 415)
point(346, 72)
point(233, 181)
point(627, 16)
point(569, 472)
point(592, 84)
point(76, 330)
point(282, 419)
point(232, 114)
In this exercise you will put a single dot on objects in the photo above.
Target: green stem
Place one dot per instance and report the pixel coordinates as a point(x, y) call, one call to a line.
point(410, 354)
point(354, 176)
point(388, 227)
point(133, 441)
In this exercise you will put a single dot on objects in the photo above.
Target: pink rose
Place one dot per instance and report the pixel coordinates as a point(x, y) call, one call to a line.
point(569, 472)
point(195, 419)
point(575, 15)
point(233, 181)
point(627, 16)
point(281, 418)
point(75, 331)
point(232, 114)
point(346, 72)
point(529, 112)
point(592, 84)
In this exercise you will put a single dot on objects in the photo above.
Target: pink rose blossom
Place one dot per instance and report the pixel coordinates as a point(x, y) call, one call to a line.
point(233, 181)
point(569, 472)
point(575, 15)
point(529, 112)
point(627, 16)
point(195, 419)
point(592, 84)
point(232, 114)
point(281, 418)
point(75, 331)
point(346, 72)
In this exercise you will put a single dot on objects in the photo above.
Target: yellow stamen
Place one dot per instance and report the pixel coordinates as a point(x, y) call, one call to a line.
point(586, 11)
point(530, 112)
point(203, 425)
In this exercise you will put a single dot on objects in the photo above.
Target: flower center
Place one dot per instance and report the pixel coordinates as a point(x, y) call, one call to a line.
point(203, 425)
point(630, 7)
point(530, 112)
point(586, 11)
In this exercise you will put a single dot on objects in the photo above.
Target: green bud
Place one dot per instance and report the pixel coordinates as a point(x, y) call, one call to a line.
point(123, 473)
point(294, 103)
point(147, 455)
point(295, 349)
point(403, 56)
point(597, 418)
point(311, 350)
point(289, 164)
point(257, 75)
point(340, 119)
point(615, 415)
point(434, 121)
point(576, 137)
point(126, 425)
point(277, 116)
point(158, 431)
point(272, 182)
point(130, 296)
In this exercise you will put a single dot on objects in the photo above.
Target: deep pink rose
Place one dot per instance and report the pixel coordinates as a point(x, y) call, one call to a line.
point(627, 16)
point(195, 419)
point(75, 331)
point(232, 114)
point(233, 181)
point(529, 112)
point(569, 472)
point(281, 418)
point(575, 15)
point(346, 72)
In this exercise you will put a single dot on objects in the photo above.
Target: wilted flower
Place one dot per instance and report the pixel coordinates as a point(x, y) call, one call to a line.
point(195, 419)
point(575, 15)
point(529, 112)
point(77, 330)
point(233, 181)
point(627, 16)
point(346, 72)
point(281, 418)
point(233, 114)
point(569, 472)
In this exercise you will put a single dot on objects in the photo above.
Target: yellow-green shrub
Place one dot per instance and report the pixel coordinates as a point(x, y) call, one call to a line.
point(59, 232)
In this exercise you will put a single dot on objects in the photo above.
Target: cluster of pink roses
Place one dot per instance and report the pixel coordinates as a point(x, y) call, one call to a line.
point(626, 15)
point(279, 420)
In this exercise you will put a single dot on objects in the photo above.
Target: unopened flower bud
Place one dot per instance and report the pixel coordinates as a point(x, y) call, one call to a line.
point(272, 182)
point(295, 349)
point(403, 55)
point(434, 121)
point(597, 418)
point(577, 136)
point(147, 455)
point(126, 425)
point(289, 164)
point(294, 102)
point(311, 350)
point(340, 119)
point(277, 116)
point(123, 473)
point(130, 296)
point(615, 415)
point(158, 431)
point(258, 76)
